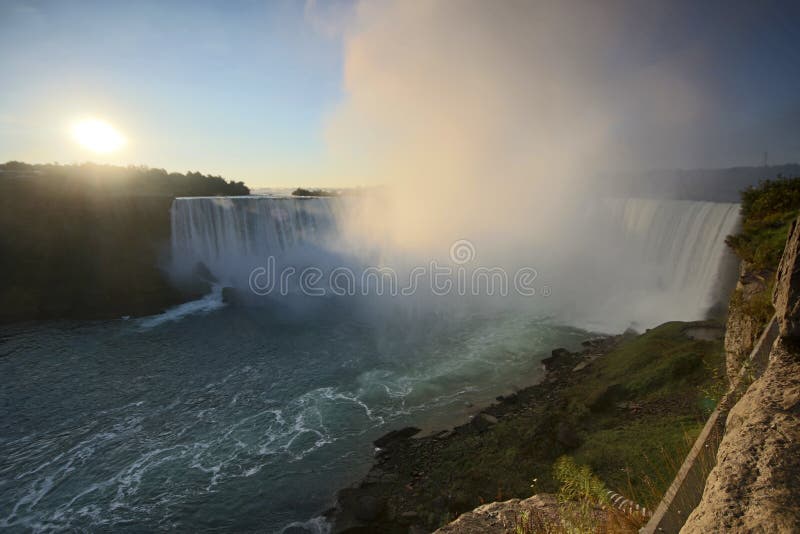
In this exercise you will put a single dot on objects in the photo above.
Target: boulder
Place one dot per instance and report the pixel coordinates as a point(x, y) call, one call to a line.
point(483, 421)
point(395, 436)
point(369, 508)
point(786, 297)
point(503, 517)
point(555, 357)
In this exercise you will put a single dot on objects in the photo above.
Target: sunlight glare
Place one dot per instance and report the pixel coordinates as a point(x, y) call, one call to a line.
point(97, 136)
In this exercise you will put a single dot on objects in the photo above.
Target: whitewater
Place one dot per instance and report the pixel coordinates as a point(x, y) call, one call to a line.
point(250, 415)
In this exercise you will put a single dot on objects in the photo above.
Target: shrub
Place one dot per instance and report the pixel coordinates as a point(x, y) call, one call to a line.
point(767, 211)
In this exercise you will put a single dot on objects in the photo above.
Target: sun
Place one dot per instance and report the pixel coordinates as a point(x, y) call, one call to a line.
point(97, 136)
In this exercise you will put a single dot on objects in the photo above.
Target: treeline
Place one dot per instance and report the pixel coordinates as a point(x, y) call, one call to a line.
point(90, 241)
point(91, 178)
point(302, 192)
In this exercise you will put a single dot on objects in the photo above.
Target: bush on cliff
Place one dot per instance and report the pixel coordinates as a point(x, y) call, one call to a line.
point(767, 211)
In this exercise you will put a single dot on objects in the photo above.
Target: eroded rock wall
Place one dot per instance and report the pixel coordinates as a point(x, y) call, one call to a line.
point(743, 326)
point(755, 485)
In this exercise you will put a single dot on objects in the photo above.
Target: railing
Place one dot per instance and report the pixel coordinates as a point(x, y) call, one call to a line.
point(686, 489)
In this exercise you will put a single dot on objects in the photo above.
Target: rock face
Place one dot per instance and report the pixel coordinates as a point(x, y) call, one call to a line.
point(754, 486)
point(786, 298)
point(502, 517)
point(742, 329)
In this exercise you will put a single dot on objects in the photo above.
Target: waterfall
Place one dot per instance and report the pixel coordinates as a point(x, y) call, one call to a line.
point(233, 235)
point(683, 241)
point(661, 260)
point(612, 263)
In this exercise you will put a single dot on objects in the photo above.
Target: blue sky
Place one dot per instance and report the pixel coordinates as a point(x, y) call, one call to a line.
point(239, 88)
point(246, 88)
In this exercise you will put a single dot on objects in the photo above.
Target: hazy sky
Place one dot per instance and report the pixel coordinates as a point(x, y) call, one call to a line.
point(249, 89)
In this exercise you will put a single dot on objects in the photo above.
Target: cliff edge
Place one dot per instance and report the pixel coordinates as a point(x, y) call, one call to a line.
point(753, 486)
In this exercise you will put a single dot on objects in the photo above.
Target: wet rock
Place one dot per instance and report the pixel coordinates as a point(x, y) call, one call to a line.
point(580, 366)
point(396, 436)
point(444, 434)
point(594, 342)
point(483, 421)
point(369, 508)
point(374, 476)
point(201, 272)
point(228, 295)
point(555, 358)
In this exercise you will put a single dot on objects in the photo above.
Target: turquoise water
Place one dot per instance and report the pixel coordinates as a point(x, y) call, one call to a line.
point(233, 419)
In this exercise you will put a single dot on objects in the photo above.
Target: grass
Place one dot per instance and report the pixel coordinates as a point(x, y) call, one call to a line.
point(638, 453)
point(641, 407)
point(636, 412)
point(584, 506)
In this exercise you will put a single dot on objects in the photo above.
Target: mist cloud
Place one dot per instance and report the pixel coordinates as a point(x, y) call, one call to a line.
point(490, 120)
point(475, 112)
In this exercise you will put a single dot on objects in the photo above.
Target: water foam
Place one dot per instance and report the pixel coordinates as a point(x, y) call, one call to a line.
point(206, 304)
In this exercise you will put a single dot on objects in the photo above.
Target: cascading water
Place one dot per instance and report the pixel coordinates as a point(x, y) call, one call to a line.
point(683, 241)
point(651, 261)
point(233, 235)
point(244, 420)
point(623, 263)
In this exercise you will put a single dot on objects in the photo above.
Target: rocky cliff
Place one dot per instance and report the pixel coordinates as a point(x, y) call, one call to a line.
point(748, 313)
point(754, 485)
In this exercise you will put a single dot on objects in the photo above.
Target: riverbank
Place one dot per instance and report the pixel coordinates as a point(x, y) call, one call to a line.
point(628, 406)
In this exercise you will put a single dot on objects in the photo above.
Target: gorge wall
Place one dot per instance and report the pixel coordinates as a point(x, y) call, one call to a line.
point(753, 486)
point(89, 241)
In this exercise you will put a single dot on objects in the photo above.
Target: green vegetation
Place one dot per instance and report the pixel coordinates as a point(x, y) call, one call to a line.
point(631, 417)
point(767, 211)
point(584, 506)
point(300, 192)
point(759, 304)
point(641, 407)
point(767, 214)
point(94, 179)
point(87, 240)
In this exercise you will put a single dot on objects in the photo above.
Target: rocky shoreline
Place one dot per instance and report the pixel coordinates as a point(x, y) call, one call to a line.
point(409, 488)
